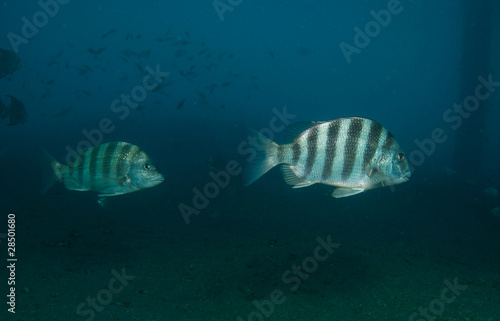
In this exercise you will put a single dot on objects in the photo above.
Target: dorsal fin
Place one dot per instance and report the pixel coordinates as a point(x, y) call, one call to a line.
point(295, 129)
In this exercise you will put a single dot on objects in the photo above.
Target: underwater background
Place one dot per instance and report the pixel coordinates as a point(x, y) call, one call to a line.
point(201, 246)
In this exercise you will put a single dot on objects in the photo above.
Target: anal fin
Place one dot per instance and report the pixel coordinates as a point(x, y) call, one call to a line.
point(346, 191)
point(292, 179)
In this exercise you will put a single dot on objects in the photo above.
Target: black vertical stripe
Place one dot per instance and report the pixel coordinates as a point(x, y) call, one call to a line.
point(108, 158)
point(81, 165)
point(281, 153)
point(372, 144)
point(296, 152)
point(137, 152)
point(93, 163)
point(312, 148)
point(389, 142)
point(120, 165)
point(331, 147)
point(74, 167)
point(351, 144)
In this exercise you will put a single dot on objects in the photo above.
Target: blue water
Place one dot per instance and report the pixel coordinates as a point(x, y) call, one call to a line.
point(219, 68)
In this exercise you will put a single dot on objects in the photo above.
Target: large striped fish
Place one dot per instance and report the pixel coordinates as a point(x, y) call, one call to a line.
point(109, 169)
point(354, 154)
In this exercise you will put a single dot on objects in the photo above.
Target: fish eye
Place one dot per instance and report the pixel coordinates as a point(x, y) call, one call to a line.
point(400, 157)
point(147, 166)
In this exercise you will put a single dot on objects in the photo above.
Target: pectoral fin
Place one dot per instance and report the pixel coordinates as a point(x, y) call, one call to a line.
point(378, 178)
point(113, 186)
point(346, 191)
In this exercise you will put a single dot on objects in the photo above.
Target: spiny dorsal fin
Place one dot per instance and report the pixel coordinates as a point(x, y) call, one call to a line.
point(295, 129)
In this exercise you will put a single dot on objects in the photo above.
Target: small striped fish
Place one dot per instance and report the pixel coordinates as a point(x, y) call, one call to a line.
point(109, 169)
point(354, 154)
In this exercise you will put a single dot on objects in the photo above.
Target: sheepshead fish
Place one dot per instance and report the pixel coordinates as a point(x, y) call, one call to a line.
point(353, 154)
point(110, 169)
point(16, 111)
point(9, 62)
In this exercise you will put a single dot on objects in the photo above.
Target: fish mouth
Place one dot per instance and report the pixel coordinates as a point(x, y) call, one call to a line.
point(405, 177)
point(159, 179)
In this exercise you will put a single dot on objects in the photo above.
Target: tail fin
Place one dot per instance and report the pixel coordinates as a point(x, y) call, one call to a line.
point(266, 158)
point(51, 171)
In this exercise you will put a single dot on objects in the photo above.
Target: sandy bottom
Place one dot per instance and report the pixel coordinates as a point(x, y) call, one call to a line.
point(252, 255)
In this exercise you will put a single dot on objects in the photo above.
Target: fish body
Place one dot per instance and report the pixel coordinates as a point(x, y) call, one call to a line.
point(353, 154)
point(4, 110)
point(16, 112)
point(9, 62)
point(110, 169)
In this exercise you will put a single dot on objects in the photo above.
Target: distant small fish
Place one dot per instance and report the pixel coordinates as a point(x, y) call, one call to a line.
point(144, 54)
point(63, 112)
point(271, 53)
point(211, 88)
point(110, 169)
point(354, 154)
point(46, 93)
point(100, 68)
point(83, 70)
point(16, 112)
point(303, 51)
point(180, 104)
point(180, 52)
point(162, 85)
point(491, 191)
point(210, 66)
point(139, 67)
point(496, 212)
point(50, 82)
point(4, 110)
point(9, 62)
point(59, 54)
point(128, 53)
point(201, 95)
point(108, 33)
point(96, 51)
